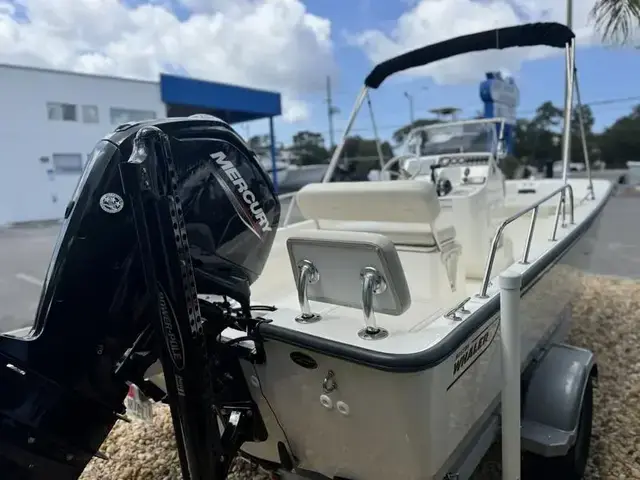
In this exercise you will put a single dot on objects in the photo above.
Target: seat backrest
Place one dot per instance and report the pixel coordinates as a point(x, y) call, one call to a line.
point(340, 258)
point(409, 201)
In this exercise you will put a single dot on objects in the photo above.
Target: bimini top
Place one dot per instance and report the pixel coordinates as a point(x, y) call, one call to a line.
point(530, 34)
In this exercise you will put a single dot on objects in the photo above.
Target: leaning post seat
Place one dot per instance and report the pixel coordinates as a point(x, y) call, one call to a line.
point(406, 212)
point(477, 213)
point(477, 223)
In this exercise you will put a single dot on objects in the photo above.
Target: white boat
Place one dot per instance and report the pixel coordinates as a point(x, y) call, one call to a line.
point(383, 350)
point(300, 175)
point(425, 145)
point(281, 169)
point(412, 319)
point(290, 176)
point(383, 356)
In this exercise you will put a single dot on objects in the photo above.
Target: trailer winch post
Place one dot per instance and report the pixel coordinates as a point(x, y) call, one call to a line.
point(510, 285)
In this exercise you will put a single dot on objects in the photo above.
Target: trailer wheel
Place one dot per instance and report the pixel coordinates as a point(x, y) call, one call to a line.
point(571, 466)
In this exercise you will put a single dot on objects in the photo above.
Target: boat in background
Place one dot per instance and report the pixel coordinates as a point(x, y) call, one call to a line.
point(281, 169)
point(291, 177)
point(426, 145)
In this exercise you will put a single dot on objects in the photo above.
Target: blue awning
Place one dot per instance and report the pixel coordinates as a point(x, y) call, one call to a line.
point(185, 96)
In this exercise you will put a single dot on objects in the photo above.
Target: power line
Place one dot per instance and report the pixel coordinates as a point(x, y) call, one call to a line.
point(595, 103)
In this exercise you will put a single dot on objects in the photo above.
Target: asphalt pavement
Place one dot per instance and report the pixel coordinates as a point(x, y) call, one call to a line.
point(617, 250)
point(25, 252)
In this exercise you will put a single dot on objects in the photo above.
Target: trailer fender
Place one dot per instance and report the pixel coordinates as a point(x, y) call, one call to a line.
point(552, 400)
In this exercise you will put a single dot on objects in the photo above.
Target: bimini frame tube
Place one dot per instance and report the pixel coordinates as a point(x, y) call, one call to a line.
point(583, 136)
point(568, 109)
point(338, 151)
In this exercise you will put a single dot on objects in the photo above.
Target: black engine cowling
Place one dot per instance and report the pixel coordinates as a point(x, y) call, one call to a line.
point(231, 209)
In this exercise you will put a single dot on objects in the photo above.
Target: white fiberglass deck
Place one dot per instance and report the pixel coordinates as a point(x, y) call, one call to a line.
point(424, 323)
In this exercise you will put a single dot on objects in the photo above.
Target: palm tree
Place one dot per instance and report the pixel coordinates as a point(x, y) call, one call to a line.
point(615, 19)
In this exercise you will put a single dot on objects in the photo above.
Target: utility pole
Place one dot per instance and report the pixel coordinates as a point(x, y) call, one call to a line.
point(331, 111)
point(410, 98)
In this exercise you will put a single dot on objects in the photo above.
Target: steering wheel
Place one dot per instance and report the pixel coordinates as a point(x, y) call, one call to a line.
point(401, 174)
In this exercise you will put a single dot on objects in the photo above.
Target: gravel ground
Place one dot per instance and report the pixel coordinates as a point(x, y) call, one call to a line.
point(605, 321)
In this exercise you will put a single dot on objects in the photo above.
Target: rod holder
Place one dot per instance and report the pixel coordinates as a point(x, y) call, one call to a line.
point(372, 284)
point(308, 275)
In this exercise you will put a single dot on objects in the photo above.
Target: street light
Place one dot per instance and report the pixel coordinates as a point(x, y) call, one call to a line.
point(410, 98)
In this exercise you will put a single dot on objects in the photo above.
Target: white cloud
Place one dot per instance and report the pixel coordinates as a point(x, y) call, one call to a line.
point(7, 9)
point(271, 44)
point(296, 111)
point(430, 21)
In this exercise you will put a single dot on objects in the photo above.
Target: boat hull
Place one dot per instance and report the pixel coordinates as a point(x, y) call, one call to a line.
point(419, 420)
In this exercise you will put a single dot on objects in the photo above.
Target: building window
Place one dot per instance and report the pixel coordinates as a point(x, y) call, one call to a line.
point(67, 162)
point(90, 114)
point(125, 115)
point(62, 111)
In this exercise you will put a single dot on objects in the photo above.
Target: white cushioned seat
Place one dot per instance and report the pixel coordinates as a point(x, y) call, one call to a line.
point(383, 201)
point(410, 234)
point(404, 210)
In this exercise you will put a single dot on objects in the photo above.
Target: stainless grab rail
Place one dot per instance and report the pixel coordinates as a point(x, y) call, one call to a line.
point(292, 203)
point(527, 247)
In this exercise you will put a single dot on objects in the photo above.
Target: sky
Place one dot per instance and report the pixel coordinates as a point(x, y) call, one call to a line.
point(292, 46)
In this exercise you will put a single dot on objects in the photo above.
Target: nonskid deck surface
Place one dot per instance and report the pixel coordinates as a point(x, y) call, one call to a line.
point(424, 324)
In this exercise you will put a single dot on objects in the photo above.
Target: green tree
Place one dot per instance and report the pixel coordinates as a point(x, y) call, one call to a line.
point(539, 140)
point(536, 140)
point(616, 19)
point(307, 138)
point(587, 118)
point(577, 152)
point(308, 147)
point(620, 142)
point(523, 139)
point(360, 155)
point(548, 116)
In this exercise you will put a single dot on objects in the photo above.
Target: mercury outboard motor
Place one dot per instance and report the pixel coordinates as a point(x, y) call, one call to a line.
point(165, 210)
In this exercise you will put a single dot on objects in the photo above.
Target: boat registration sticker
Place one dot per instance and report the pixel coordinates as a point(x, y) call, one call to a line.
point(472, 350)
point(138, 405)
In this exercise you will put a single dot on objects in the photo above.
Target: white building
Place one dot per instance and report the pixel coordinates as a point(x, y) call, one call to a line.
point(51, 120)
